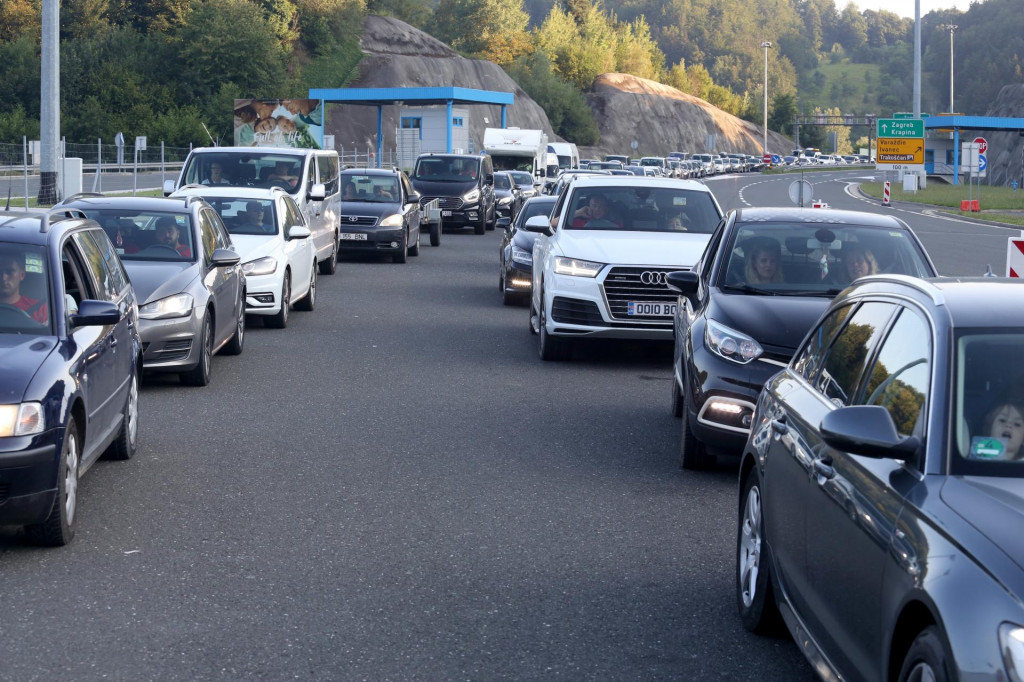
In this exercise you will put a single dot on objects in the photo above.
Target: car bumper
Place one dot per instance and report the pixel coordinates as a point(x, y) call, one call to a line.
point(28, 477)
point(578, 306)
point(722, 394)
point(384, 240)
point(169, 345)
point(503, 210)
point(467, 216)
point(518, 278)
point(263, 293)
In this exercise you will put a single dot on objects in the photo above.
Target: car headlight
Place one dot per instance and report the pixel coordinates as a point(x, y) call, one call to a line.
point(522, 255)
point(25, 419)
point(1011, 643)
point(178, 305)
point(731, 344)
point(393, 220)
point(472, 196)
point(504, 201)
point(260, 266)
point(576, 267)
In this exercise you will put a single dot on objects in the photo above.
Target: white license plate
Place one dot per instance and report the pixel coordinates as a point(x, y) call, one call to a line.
point(357, 236)
point(652, 309)
point(445, 213)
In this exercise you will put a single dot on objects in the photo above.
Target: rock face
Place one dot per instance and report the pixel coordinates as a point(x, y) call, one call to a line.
point(662, 119)
point(1006, 149)
point(400, 56)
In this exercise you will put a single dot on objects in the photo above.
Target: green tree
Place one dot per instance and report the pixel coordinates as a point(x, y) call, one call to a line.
point(782, 113)
point(564, 104)
point(486, 29)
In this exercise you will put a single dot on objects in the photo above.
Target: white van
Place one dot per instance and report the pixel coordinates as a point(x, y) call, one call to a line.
point(310, 176)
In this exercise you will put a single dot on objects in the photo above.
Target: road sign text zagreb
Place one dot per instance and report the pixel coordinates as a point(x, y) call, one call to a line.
point(900, 127)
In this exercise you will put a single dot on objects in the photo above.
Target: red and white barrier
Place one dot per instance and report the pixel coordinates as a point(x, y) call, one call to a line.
point(885, 194)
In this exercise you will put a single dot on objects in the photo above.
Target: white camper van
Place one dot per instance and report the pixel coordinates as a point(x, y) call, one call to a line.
point(517, 149)
point(568, 155)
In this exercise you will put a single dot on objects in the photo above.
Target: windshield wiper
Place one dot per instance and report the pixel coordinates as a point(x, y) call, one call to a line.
point(747, 289)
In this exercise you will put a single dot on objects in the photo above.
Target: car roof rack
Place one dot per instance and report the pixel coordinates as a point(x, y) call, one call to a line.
point(78, 195)
point(70, 213)
point(925, 287)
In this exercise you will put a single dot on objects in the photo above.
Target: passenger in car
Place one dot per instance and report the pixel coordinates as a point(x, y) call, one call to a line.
point(252, 217)
point(677, 222)
point(763, 258)
point(594, 214)
point(167, 234)
point(1006, 422)
point(12, 274)
point(858, 261)
point(349, 192)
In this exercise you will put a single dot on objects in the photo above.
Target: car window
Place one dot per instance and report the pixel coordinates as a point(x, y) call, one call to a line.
point(534, 207)
point(642, 209)
point(25, 290)
point(208, 235)
point(808, 360)
point(146, 235)
point(77, 284)
point(115, 269)
point(327, 169)
point(845, 360)
point(899, 378)
point(292, 214)
point(243, 216)
point(244, 168)
point(108, 284)
point(446, 169)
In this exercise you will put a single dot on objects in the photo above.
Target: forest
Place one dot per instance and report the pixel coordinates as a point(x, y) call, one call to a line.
point(170, 69)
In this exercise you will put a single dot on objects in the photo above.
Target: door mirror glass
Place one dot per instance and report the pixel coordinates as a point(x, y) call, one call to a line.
point(222, 258)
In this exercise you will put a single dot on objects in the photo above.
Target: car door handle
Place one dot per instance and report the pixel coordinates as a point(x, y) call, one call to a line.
point(779, 426)
point(824, 468)
point(112, 342)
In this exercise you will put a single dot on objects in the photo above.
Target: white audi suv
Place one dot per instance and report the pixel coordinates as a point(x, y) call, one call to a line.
point(600, 260)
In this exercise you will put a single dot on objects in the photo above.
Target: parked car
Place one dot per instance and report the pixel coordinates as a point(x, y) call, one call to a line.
point(273, 240)
point(767, 276)
point(883, 482)
point(507, 198)
point(601, 261)
point(70, 360)
point(381, 213)
point(464, 184)
point(515, 254)
point(309, 176)
point(187, 277)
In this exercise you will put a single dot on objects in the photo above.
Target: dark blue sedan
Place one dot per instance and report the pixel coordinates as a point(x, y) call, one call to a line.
point(70, 358)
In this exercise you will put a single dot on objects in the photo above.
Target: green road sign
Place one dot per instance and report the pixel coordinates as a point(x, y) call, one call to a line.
point(900, 127)
point(903, 114)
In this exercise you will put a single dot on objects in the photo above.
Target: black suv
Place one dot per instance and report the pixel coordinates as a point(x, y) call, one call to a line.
point(464, 186)
point(380, 213)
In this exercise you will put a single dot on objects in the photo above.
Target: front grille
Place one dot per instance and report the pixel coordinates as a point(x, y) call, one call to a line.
point(358, 220)
point(624, 284)
point(174, 350)
point(573, 311)
point(446, 203)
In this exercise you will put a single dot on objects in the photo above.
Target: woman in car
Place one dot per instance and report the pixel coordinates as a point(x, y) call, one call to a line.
point(763, 262)
point(858, 261)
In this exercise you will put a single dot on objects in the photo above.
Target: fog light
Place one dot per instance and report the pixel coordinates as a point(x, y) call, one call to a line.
point(473, 215)
point(394, 245)
point(521, 282)
point(746, 420)
point(264, 298)
point(731, 408)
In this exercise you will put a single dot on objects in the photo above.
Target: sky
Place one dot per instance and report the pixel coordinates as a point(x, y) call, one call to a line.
point(905, 8)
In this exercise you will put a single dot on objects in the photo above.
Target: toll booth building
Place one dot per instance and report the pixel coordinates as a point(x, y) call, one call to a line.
point(424, 129)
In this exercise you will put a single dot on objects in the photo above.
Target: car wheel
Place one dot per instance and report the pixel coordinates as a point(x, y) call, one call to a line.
point(533, 317)
point(435, 233)
point(550, 348)
point(125, 444)
point(330, 265)
point(481, 226)
point(692, 453)
point(280, 320)
point(237, 342)
point(677, 399)
point(59, 526)
point(402, 255)
point(926, 660)
point(507, 298)
point(414, 250)
point(493, 221)
point(200, 374)
point(754, 596)
point(308, 302)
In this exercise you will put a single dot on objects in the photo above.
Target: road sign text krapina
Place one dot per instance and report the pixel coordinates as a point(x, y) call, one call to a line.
point(900, 144)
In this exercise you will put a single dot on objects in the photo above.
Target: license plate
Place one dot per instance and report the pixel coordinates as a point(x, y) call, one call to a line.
point(358, 236)
point(445, 213)
point(652, 309)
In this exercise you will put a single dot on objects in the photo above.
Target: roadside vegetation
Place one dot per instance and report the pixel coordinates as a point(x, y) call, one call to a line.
point(998, 204)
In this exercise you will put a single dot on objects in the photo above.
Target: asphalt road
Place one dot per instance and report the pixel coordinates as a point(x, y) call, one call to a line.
point(396, 487)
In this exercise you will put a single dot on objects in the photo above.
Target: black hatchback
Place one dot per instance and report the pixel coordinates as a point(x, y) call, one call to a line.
point(766, 276)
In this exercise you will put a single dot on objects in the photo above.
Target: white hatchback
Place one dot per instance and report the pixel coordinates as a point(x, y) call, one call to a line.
point(278, 257)
point(600, 261)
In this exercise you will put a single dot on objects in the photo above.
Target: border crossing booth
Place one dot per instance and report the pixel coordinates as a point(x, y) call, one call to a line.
point(424, 129)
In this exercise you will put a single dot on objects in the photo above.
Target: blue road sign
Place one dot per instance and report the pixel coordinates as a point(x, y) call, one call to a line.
point(982, 162)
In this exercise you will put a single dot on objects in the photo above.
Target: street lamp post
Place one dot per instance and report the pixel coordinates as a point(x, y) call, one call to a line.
point(950, 28)
point(765, 44)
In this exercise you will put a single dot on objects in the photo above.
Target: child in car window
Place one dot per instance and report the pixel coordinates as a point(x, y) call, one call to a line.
point(1005, 422)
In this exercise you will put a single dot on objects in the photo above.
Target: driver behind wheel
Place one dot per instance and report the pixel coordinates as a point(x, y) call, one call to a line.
point(167, 234)
point(12, 274)
point(284, 172)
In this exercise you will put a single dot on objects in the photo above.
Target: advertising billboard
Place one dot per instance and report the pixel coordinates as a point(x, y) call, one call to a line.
point(279, 123)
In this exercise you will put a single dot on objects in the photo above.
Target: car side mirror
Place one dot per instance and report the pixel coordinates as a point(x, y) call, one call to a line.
point(504, 223)
point(539, 224)
point(489, 179)
point(298, 232)
point(684, 282)
point(414, 197)
point(96, 313)
point(867, 430)
point(317, 192)
point(223, 258)
point(168, 187)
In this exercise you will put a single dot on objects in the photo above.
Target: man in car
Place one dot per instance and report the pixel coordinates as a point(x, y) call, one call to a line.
point(167, 234)
point(594, 214)
point(252, 218)
point(284, 172)
point(12, 273)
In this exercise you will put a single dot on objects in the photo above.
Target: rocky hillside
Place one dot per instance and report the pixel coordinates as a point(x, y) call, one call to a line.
point(1006, 149)
point(659, 118)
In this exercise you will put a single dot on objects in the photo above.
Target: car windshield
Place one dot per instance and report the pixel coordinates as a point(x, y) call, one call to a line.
point(25, 295)
point(988, 403)
point(447, 169)
point(535, 207)
point(502, 181)
point(381, 189)
point(246, 216)
point(522, 179)
point(806, 258)
point(147, 235)
point(642, 209)
point(251, 169)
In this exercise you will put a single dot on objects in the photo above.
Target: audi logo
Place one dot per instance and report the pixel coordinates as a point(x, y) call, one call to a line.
point(652, 278)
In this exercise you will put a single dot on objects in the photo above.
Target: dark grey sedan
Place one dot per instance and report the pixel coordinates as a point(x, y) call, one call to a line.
point(882, 486)
point(186, 276)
